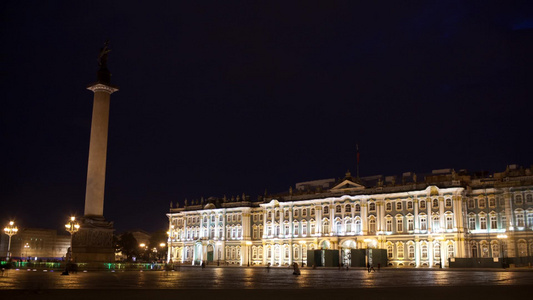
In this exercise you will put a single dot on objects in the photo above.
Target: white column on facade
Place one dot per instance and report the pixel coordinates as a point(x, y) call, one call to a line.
point(417, 252)
point(364, 216)
point(281, 221)
point(430, 252)
point(246, 224)
point(511, 224)
point(264, 212)
point(416, 220)
point(442, 219)
point(429, 205)
point(318, 223)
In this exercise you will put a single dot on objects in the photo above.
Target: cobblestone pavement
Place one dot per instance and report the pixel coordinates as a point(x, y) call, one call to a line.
point(260, 278)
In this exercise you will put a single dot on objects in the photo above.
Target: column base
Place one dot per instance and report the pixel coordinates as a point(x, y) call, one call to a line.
point(94, 241)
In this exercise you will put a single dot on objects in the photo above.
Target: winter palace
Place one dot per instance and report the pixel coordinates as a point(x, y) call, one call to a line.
point(427, 221)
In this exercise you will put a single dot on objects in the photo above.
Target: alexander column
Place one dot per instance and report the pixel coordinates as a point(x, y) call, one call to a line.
point(94, 241)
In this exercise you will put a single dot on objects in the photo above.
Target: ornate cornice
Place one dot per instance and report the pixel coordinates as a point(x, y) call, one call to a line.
point(99, 87)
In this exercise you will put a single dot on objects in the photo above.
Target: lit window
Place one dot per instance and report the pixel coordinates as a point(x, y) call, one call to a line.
point(482, 222)
point(390, 250)
point(410, 224)
point(422, 204)
point(409, 205)
point(399, 224)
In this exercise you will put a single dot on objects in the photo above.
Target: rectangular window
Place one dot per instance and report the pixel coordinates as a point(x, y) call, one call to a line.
point(423, 224)
point(389, 225)
point(296, 230)
point(255, 218)
point(520, 220)
point(482, 222)
point(399, 251)
point(449, 222)
point(410, 224)
point(472, 223)
point(493, 222)
point(304, 229)
point(399, 225)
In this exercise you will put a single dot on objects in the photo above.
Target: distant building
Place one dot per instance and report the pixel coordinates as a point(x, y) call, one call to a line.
point(36, 244)
point(423, 221)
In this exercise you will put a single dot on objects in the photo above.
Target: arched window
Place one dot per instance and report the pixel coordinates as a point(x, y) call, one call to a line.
point(449, 221)
point(338, 226)
point(357, 226)
point(435, 203)
point(450, 250)
point(338, 209)
point(312, 211)
point(399, 223)
point(388, 224)
point(422, 204)
point(348, 208)
point(481, 203)
point(411, 251)
point(325, 226)
point(269, 215)
point(390, 250)
point(424, 251)
point(423, 223)
point(357, 207)
point(529, 198)
point(436, 250)
point(399, 250)
point(495, 249)
point(520, 218)
point(482, 221)
point(304, 228)
point(492, 202)
point(348, 225)
point(448, 202)
point(326, 210)
point(388, 206)
point(372, 206)
point(312, 227)
point(372, 226)
point(518, 200)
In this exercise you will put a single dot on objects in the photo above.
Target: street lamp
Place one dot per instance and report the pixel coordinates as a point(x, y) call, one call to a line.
point(10, 230)
point(302, 243)
point(248, 243)
point(72, 227)
point(162, 245)
point(26, 247)
point(218, 246)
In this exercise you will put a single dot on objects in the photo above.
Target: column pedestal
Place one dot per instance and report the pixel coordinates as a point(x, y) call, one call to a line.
point(94, 241)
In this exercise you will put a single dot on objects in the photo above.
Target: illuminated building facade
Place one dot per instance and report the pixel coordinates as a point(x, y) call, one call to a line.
point(421, 223)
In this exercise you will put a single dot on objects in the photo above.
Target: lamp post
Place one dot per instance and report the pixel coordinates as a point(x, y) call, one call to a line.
point(10, 230)
point(162, 246)
point(218, 246)
point(26, 249)
point(249, 244)
point(143, 248)
point(302, 243)
point(72, 227)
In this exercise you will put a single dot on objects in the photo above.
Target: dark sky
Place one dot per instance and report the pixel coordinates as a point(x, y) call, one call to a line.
point(220, 98)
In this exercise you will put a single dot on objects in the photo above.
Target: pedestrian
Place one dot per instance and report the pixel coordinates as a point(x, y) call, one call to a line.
point(296, 269)
point(379, 266)
point(371, 268)
point(368, 267)
point(203, 264)
point(268, 267)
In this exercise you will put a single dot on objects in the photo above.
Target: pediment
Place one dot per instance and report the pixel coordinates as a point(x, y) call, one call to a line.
point(348, 185)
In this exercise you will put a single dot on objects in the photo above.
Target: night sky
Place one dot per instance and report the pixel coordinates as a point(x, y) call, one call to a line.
point(224, 98)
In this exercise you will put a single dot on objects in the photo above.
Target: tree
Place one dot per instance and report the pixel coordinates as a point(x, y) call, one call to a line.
point(159, 237)
point(128, 245)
